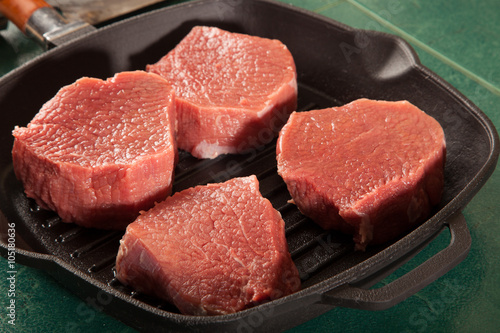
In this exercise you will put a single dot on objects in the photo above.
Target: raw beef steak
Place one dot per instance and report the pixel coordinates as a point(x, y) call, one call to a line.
point(100, 151)
point(234, 91)
point(210, 250)
point(370, 168)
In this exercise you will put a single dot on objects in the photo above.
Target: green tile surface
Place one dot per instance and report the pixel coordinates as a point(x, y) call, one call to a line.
point(460, 41)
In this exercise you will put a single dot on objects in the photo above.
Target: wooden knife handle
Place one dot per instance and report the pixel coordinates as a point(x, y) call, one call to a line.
point(19, 11)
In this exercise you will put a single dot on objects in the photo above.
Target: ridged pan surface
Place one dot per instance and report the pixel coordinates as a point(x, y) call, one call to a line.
point(335, 65)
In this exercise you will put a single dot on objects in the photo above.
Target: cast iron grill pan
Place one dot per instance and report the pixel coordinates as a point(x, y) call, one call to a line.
point(332, 273)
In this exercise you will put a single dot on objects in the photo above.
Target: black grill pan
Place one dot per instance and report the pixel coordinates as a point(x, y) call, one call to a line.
point(336, 64)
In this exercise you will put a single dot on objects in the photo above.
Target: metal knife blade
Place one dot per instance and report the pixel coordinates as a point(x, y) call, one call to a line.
point(57, 21)
point(98, 11)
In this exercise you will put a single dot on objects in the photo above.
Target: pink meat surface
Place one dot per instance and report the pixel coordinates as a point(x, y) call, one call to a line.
point(100, 151)
point(210, 250)
point(234, 91)
point(370, 168)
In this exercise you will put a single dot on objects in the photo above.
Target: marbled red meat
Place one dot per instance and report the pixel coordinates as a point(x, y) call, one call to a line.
point(100, 151)
point(370, 168)
point(234, 91)
point(213, 249)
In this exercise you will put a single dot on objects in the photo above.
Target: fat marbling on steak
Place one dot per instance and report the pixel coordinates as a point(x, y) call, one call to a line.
point(370, 168)
point(234, 91)
point(100, 151)
point(212, 249)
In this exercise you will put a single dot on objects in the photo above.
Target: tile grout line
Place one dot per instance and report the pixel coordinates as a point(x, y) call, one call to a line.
point(478, 79)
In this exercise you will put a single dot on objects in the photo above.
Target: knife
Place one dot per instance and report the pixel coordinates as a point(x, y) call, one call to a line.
point(3, 22)
point(41, 20)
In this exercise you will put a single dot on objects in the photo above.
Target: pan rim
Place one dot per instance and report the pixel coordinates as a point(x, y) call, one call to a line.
point(314, 291)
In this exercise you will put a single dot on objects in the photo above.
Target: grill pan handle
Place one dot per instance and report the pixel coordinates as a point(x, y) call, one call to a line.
point(410, 283)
